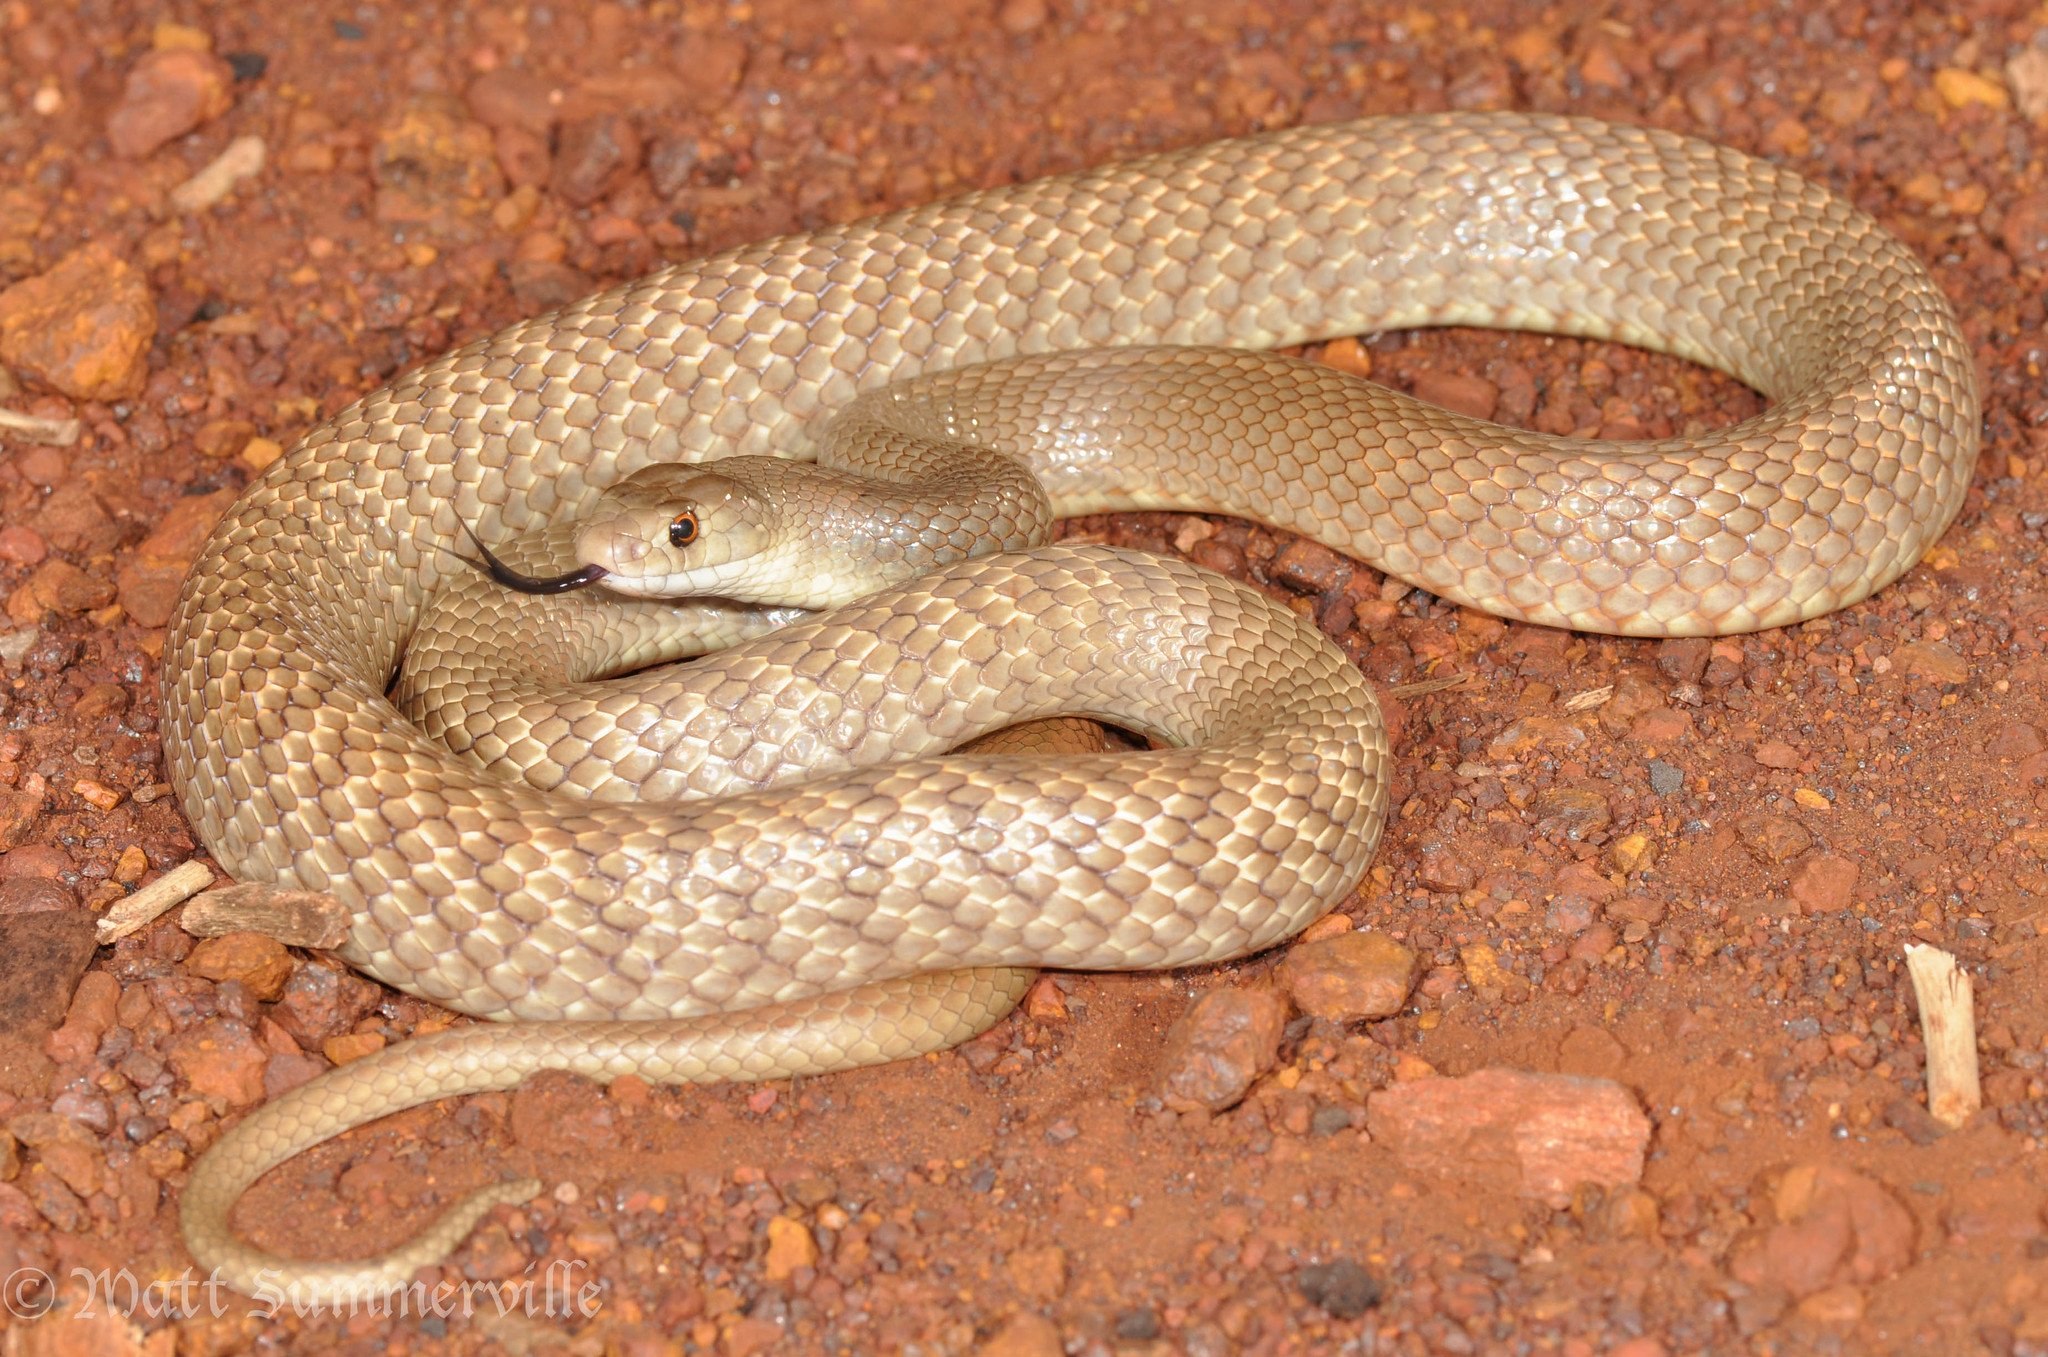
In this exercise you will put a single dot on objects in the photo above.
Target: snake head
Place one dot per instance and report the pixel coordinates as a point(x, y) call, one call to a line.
point(683, 532)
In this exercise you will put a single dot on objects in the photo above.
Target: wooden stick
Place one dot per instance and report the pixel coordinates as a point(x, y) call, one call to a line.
point(35, 429)
point(1949, 1022)
point(173, 888)
point(295, 918)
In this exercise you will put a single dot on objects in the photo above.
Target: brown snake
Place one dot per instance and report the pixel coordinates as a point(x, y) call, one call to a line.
point(878, 910)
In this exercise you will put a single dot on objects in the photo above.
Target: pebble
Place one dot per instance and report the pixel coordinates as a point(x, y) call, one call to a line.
point(351, 1046)
point(58, 587)
point(1666, 779)
point(262, 964)
point(1833, 1227)
point(322, 1001)
point(2024, 232)
point(1684, 660)
point(1018, 17)
point(241, 159)
point(1353, 977)
point(22, 545)
point(166, 95)
point(219, 1058)
point(1460, 392)
point(42, 956)
point(1777, 754)
point(1539, 1136)
point(1040, 1273)
point(1340, 1288)
point(83, 327)
point(1226, 1039)
point(790, 1246)
point(1025, 1334)
point(1573, 811)
point(594, 157)
point(147, 580)
point(1825, 884)
point(1773, 839)
point(1936, 662)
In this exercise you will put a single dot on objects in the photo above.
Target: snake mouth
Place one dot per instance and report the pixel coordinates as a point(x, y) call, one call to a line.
point(530, 584)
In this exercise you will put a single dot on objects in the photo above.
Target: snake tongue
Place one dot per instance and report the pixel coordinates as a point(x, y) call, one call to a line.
point(530, 584)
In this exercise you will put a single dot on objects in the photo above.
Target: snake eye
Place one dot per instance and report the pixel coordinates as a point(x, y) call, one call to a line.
point(682, 529)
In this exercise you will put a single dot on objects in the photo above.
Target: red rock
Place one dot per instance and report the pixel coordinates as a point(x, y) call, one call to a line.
point(1777, 754)
point(260, 963)
point(1540, 1136)
point(184, 528)
point(33, 895)
point(167, 94)
point(1353, 977)
point(1461, 392)
point(219, 1058)
point(20, 807)
point(83, 328)
point(148, 581)
point(22, 545)
point(2025, 230)
point(60, 587)
point(1026, 1334)
point(322, 1001)
point(1834, 1226)
point(511, 97)
point(1937, 662)
point(1225, 1040)
point(1825, 884)
point(594, 157)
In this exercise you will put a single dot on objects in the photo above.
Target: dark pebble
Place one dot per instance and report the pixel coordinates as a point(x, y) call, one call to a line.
point(1666, 779)
point(1137, 1326)
point(1343, 1288)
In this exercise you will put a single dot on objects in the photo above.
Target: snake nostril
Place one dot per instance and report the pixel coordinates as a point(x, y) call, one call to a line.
point(628, 547)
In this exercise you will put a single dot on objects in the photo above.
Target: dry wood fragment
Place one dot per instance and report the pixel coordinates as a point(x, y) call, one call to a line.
point(1949, 1023)
point(36, 429)
point(167, 891)
point(295, 918)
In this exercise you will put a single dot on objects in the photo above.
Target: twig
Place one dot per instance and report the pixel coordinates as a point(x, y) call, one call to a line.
point(1949, 1023)
point(1429, 685)
point(171, 889)
point(59, 433)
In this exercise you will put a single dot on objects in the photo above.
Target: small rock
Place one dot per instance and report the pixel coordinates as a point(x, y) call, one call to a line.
point(1310, 567)
point(512, 97)
point(1025, 1335)
point(1018, 17)
point(83, 328)
point(2025, 228)
point(33, 895)
point(260, 963)
point(1666, 779)
point(1442, 870)
point(1684, 660)
point(1958, 88)
point(166, 95)
point(1040, 1274)
point(1631, 854)
point(1573, 811)
point(351, 1046)
point(1834, 1226)
point(322, 1001)
point(594, 157)
point(2014, 740)
point(42, 956)
point(1776, 754)
point(20, 808)
point(1225, 1040)
point(1936, 662)
point(2027, 75)
point(1137, 1326)
point(1773, 840)
point(1045, 1001)
point(1535, 732)
point(1463, 393)
point(219, 1058)
point(1353, 977)
point(59, 587)
point(1825, 884)
point(1341, 1288)
point(790, 1246)
point(1541, 1136)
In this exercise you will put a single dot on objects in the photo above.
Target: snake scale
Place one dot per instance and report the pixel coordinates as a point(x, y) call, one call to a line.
point(737, 922)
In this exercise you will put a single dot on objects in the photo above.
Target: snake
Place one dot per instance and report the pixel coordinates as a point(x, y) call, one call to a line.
point(776, 859)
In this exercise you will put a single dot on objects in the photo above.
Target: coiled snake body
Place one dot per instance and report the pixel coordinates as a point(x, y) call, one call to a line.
point(877, 911)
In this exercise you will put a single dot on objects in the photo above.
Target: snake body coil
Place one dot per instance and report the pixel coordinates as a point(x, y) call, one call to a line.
point(627, 932)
